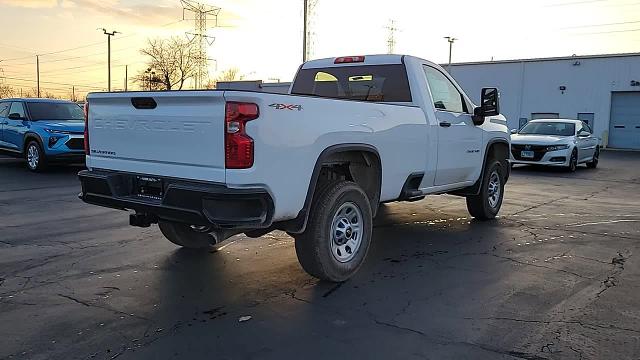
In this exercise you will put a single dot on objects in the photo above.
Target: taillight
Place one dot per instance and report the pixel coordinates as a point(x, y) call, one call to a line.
point(349, 59)
point(86, 128)
point(238, 146)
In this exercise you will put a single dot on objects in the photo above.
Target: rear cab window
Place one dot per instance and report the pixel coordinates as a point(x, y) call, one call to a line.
point(373, 83)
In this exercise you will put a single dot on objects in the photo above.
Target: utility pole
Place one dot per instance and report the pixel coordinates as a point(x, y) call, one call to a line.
point(201, 13)
point(451, 40)
point(38, 73)
point(73, 93)
point(391, 40)
point(126, 77)
point(109, 35)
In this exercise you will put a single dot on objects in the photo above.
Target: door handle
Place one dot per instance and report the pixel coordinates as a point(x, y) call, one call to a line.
point(445, 124)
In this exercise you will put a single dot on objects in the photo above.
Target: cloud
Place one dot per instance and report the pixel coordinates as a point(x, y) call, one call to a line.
point(31, 3)
point(138, 12)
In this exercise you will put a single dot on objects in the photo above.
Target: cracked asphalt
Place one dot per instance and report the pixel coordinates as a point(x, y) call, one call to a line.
point(557, 276)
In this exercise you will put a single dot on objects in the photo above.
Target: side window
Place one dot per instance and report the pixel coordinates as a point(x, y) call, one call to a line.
point(586, 127)
point(579, 128)
point(4, 109)
point(17, 108)
point(445, 95)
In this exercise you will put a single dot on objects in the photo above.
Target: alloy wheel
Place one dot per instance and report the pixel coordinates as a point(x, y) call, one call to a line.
point(494, 189)
point(33, 156)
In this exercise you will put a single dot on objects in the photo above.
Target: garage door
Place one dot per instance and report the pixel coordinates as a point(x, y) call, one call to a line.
point(624, 127)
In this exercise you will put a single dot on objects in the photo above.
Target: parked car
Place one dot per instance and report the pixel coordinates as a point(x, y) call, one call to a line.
point(353, 132)
point(42, 131)
point(555, 142)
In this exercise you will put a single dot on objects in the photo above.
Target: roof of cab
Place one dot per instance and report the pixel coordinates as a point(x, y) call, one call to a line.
point(368, 60)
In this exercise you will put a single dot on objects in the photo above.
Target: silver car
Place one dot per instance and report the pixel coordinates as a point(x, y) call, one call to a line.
point(555, 142)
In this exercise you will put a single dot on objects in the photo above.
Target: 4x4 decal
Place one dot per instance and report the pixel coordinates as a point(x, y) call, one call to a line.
point(286, 107)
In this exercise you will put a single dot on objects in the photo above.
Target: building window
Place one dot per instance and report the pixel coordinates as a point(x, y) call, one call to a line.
point(587, 118)
point(544, 116)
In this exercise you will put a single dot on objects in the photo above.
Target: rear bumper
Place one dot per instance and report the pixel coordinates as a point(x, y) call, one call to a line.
point(67, 157)
point(190, 202)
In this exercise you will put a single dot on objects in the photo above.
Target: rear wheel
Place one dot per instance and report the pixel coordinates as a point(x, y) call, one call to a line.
point(594, 161)
point(338, 234)
point(35, 157)
point(487, 203)
point(188, 236)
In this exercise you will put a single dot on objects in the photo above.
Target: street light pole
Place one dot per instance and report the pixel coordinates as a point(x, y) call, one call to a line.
point(304, 31)
point(451, 40)
point(109, 35)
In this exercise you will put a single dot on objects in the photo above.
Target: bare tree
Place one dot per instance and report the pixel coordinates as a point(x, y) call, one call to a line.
point(232, 74)
point(6, 91)
point(173, 60)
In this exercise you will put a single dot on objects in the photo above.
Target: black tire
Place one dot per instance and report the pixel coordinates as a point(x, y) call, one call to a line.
point(315, 247)
point(35, 157)
point(184, 235)
point(485, 206)
point(594, 161)
point(573, 161)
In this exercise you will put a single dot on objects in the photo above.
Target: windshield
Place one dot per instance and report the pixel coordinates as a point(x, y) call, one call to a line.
point(376, 83)
point(549, 128)
point(55, 111)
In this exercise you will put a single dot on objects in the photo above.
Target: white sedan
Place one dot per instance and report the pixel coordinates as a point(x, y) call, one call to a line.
point(555, 142)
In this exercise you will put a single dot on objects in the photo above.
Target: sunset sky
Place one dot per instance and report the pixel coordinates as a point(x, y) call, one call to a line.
point(263, 38)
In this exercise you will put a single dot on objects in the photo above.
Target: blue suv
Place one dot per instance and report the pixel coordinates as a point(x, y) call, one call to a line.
point(42, 131)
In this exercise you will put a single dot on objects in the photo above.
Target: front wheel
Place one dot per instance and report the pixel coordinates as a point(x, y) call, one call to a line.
point(338, 234)
point(573, 161)
point(188, 236)
point(35, 157)
point(487, 203)
point(594, 161)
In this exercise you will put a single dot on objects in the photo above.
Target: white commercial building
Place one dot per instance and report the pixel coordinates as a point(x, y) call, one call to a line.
point(603, 90)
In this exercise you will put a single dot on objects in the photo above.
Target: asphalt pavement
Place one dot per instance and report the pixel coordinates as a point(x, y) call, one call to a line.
point(557, 276)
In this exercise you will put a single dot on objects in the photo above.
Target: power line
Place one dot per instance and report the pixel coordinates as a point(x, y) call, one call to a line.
point(34, 52)
point(575, 3)
point(609, 32)
point(599, 25)
point(71, 49)
point(51, 82)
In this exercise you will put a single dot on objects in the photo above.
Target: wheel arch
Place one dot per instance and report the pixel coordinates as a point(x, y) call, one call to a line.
point(353, 161)
point(28, 137)
point(495, 148)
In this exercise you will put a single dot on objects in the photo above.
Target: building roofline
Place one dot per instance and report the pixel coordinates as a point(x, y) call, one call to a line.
point(559, 58)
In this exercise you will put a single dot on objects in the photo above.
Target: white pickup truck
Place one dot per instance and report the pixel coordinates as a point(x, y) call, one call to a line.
point(354, 132)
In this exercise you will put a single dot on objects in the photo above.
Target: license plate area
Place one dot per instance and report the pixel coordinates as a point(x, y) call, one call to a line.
point(527, 154)
point(149, 187)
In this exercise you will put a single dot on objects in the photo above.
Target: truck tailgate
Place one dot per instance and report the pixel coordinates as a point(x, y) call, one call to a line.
point(181, 136)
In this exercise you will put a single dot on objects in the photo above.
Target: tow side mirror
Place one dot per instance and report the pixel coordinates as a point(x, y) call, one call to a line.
point(584, 134)
point(15, 116)
point(490, 103)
